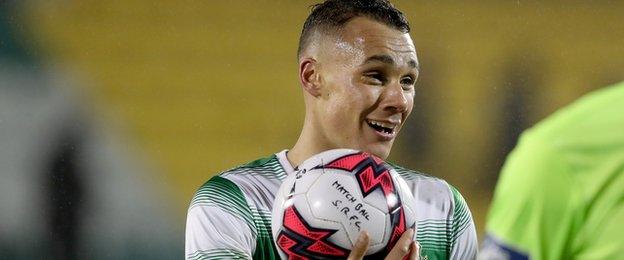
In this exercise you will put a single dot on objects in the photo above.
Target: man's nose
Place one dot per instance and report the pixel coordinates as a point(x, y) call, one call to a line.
point(394, 98)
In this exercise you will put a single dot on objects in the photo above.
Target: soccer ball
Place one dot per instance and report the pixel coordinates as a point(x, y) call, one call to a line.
point(320, 209)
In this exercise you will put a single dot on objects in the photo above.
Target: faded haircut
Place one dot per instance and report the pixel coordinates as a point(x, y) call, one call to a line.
point(331, 15)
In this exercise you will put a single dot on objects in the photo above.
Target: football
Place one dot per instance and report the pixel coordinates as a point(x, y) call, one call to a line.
point(321, 208)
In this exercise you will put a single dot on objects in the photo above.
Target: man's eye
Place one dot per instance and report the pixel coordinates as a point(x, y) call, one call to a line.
point(375, 78)
point(407, 82)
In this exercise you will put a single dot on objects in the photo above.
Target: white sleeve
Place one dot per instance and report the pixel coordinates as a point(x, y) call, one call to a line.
point(219, 223)
point(465, 245)
point(464, 236)
point(213, 233)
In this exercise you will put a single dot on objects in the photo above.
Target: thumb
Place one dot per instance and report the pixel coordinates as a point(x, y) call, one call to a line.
point(360, 247)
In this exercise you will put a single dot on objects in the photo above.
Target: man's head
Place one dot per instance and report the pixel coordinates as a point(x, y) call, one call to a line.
point(357, 67)
point(330, 17)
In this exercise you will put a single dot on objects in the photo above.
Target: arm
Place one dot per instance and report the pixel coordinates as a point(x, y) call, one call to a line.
point(219, 223)
point(463, 234)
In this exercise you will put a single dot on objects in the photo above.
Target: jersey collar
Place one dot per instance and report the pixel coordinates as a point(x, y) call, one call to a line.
point(283, 160)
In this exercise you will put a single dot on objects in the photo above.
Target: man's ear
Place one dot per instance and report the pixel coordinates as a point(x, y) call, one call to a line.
point(309, 76)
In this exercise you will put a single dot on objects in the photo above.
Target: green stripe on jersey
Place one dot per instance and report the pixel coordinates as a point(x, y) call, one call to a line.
point(258, 219)
point(226, 195)
point(217, 254)
point(268, 167)
point(265, 249)
point(262, 219)
point(461, 215)
point(434, 235)
point(407, 174)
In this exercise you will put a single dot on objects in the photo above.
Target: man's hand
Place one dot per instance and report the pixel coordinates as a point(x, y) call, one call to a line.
point(404, 247)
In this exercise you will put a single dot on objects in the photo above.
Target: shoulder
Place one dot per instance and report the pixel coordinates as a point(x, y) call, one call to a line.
point(260, 170)
point(251, 185)
point(436, 198)
point(223, 194)
point(590, 122)
point(557, 155)
point(445, 226)
point(427, 188)
point(239, 201)
point(267, 167)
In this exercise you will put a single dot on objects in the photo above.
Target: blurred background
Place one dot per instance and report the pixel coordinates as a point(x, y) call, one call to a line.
point(112, 113)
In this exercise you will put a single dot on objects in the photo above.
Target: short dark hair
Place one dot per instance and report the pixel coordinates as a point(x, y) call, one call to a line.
point(332, 15)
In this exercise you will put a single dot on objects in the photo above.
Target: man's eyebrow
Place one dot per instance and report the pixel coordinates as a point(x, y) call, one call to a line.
point(388, 60)
point(380, 58)
point(413, 64)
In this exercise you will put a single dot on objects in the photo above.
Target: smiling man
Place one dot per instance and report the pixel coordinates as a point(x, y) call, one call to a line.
point(357, 70)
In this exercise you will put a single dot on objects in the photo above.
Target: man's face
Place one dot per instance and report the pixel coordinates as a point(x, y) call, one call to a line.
point(367, 77)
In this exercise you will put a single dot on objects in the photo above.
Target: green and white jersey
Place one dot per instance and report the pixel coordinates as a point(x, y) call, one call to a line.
point(561, 191)
point(230, 215)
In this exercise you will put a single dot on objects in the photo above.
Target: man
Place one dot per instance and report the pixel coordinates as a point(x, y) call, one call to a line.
point(357, 69)
point(561, 191)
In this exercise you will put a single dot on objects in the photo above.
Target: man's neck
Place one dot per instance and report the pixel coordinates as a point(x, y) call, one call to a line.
point(298, 154)
point(306, 146)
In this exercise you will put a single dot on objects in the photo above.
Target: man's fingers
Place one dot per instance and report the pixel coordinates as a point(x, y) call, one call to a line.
point(360, 247)
point(414, 251)
point(402, 247)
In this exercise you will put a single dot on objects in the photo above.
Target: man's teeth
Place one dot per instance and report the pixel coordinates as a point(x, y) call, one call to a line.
point(382, 124)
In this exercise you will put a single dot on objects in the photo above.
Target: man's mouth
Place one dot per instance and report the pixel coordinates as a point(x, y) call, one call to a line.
point(385, 128)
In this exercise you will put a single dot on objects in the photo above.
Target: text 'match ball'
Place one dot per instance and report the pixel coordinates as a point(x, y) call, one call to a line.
point(320, 209)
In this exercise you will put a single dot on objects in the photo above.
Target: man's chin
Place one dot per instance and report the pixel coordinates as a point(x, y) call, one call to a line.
point(381, 151)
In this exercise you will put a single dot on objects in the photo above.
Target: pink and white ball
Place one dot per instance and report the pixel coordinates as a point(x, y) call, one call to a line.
point(320, 209)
